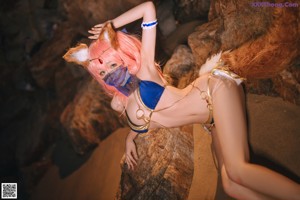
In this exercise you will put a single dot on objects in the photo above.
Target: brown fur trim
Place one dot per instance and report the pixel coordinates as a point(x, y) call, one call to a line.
point(70, 55)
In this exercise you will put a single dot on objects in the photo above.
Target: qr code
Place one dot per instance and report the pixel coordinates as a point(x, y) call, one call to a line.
point(9, 190)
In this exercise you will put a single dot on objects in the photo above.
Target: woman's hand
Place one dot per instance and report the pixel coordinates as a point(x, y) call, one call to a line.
point(95, 31)
point(131, 153)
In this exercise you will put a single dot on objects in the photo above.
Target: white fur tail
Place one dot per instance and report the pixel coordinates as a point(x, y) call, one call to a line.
point(210, 63)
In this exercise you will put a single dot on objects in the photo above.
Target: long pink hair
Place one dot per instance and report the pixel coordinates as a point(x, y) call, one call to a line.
point(128, 52)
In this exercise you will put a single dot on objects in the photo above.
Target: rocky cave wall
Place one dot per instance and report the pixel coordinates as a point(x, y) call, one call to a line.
point(44, 99)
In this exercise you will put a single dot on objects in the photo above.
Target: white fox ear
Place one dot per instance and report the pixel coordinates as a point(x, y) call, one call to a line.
point(78, 55)
point(109, 34)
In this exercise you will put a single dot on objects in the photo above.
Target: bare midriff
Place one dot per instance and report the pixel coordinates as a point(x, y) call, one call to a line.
point(176, 107)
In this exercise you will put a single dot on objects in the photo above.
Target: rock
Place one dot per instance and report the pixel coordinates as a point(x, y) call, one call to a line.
point(269, 54)
point(165, 166)
point(273, 137)
point(165, 16)
point(87, 14)
point(89, 118)
point(287, 84)
point(180, 68)
point(221, 34)
point(37, 86)
point(47, 62)
point(179, 36)
point(274, 133)
point(260, 50)
point(205, 41)
point(234, 34)
point(187, 10)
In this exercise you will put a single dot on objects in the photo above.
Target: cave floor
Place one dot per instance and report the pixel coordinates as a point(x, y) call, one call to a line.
point(99, 177)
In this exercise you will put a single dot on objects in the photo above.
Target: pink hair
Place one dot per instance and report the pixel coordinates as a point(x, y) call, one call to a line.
point(128, 52)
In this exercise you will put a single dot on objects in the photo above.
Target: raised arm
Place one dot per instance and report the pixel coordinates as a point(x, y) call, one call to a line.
point(147, 12)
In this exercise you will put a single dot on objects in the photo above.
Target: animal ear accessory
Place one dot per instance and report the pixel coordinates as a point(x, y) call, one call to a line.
point(109, 35)
point(78, 55)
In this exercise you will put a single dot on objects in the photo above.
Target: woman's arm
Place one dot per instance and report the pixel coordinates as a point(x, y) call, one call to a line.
point(147, 12)
point(130, 152)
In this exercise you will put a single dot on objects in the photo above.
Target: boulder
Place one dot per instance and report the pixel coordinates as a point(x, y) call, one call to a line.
point(259, 48)
point(165, 166)
point(179, 70)
point(89, 118)
point(274, 133)
point(187, 10)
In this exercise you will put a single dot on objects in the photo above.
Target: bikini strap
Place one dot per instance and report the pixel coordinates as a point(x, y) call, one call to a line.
point(209, 124)
point(209, 103)
point(137, 128)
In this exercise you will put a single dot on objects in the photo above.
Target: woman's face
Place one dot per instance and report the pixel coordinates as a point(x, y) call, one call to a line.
point(107, 62)
point(108, 67)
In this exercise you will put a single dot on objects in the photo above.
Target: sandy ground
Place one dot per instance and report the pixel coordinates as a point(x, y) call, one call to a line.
point(98, 178)
point(203, 188)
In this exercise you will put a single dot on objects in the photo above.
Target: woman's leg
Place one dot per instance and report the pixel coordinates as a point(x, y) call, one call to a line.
point(230, 120)
point(231, 188)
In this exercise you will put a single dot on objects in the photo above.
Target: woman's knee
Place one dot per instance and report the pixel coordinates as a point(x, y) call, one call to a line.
point(228, 185)
point(236, 173)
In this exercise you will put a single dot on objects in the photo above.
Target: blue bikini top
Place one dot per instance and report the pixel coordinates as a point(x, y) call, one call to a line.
point(149, 94)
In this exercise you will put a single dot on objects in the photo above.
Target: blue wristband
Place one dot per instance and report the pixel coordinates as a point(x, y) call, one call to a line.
point(149, 25)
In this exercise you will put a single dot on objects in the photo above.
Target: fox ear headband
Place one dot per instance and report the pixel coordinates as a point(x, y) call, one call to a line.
point(80, 53)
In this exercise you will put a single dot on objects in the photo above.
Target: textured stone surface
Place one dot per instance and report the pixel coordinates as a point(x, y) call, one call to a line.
point(205, 41)
point(268, 44)
point(89, 13)
point(179, 70)
point(221, 34)
point(274, 133)
point(165, 166)
point(287, 84)
point(179, 36)
point(37, 85)
point(187, 10)
point(270, 53)
point(89, 118)
point(165, 16)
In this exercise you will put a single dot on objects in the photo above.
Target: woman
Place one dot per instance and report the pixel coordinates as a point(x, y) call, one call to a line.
point(127, 70)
